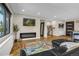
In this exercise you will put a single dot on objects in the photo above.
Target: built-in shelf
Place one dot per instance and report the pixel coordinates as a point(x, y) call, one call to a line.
point(69, 28)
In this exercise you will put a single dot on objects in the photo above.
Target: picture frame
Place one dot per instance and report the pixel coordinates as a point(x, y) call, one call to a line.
point(60, 25)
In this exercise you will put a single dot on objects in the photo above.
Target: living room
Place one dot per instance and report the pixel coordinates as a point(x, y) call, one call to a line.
point(36, 27)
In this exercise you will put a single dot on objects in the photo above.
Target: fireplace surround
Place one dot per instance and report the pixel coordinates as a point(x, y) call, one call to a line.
point(28, 35)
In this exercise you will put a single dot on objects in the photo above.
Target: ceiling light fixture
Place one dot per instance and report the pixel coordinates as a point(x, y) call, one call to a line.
point(38, 13)
point(54, 16)
point(22, 10)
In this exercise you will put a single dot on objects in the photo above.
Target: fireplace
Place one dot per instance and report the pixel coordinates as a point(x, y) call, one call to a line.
point(28, 35)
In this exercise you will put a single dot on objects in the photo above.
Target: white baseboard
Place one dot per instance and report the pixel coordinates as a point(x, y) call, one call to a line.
point(31, 38)
point(58, 35)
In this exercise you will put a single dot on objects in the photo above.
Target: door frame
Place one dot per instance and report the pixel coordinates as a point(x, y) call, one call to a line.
point(42, 23)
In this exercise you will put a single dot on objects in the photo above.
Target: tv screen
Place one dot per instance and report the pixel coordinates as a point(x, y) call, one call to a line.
point(28, 22)
point(76, 36)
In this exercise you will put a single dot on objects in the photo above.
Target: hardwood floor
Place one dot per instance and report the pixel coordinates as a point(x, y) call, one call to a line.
point(50, 38)
point(25, 43)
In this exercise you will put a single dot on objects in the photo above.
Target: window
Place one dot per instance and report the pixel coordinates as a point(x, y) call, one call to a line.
point(7, 23)
point(4, 20)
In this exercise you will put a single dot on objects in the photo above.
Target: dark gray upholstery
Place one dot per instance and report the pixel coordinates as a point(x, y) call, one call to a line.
point(74, 52)
point(22, 52)
point(52, 52)
point(56, 43)
point(57, 51)
point(45, 53)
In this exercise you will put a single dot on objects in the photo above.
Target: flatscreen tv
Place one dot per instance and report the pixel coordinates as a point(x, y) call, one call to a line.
point(76, 36)
point(28, 22)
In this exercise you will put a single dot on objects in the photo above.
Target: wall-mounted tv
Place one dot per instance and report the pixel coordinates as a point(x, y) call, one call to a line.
point(76, 36)
point(28, 22)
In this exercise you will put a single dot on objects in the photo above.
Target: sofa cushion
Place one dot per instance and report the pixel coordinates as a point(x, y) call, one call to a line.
point(56, 43)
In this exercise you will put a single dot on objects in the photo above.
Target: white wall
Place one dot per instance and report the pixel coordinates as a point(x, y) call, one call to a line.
point(61, 31)
point(18, 19)
point(77, 25)
point(57, 31)
point(5, 46)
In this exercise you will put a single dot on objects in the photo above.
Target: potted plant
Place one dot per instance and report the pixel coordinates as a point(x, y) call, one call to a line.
point(15, 30)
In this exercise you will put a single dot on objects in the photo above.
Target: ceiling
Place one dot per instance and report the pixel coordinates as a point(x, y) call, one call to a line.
point(51, 11)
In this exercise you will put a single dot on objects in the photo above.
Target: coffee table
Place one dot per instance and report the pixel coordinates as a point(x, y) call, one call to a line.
point(37, 48)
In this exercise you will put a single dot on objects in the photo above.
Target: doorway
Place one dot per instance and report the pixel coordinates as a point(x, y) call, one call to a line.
point(50, 30)
point(42, 29)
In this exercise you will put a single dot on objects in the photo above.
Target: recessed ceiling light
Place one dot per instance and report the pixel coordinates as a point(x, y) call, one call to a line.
point(45, 16)
point(38, 13)
point(54, 16)
point(23, 10)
